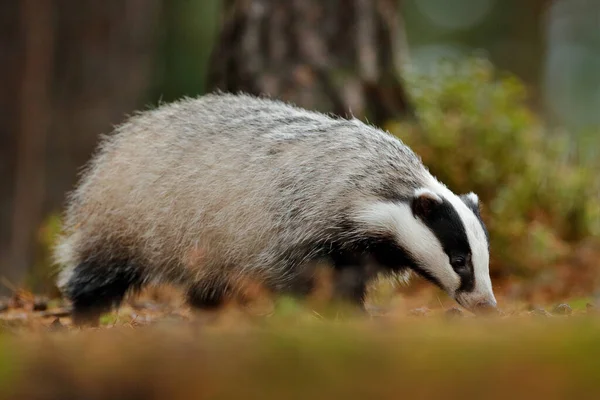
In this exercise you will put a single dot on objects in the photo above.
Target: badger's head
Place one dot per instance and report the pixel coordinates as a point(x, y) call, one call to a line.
point(443, 239)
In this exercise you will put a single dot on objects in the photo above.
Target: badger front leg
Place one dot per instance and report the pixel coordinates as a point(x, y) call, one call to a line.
point(350, 279)
point(350, 285)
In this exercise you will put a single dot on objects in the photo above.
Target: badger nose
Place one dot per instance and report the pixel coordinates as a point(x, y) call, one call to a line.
point(485, 307)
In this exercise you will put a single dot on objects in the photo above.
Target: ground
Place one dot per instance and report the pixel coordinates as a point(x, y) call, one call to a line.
point(413, 345)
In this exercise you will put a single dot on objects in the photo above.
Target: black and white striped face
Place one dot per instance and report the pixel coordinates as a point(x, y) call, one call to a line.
point(445, 238)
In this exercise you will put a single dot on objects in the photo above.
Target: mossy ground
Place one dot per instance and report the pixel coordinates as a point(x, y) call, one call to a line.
point(152, 350)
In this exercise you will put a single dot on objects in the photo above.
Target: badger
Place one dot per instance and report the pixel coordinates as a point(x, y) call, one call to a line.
point(206, 192)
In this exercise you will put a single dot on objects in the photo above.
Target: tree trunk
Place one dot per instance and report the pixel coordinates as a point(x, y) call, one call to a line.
point(76, 68)
point(33, 122)
point(340, 56)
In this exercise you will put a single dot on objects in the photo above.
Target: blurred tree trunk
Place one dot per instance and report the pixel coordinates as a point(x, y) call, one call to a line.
point(9, 71)
point(33, 119)
point(76, 68)
point(340, 56)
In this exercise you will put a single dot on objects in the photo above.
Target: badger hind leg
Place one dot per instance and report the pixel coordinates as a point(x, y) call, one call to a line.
point(96, 287)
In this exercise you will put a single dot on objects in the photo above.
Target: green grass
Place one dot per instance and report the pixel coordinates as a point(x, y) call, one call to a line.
point(109, 319)
point(7, 363)
point(580, 303)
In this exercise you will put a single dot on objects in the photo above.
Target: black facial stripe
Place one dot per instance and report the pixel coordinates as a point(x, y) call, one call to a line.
point(447, 226)
point(445, 223)
point(467, 279)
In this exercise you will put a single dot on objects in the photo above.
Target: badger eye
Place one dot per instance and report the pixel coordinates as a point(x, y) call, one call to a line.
point(458, 262)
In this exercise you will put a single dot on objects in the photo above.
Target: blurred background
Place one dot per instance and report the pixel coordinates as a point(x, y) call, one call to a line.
point(498, 96)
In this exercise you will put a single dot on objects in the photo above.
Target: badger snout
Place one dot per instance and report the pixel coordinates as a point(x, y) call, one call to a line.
point(485, 307)
point(478, 305)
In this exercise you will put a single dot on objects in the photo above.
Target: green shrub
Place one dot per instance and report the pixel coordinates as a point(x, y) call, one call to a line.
point(43, 273)
point(476, 133)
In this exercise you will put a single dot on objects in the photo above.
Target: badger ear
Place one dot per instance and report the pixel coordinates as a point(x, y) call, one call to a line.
point(472, 197)
point(471, 200)
point(424, 202)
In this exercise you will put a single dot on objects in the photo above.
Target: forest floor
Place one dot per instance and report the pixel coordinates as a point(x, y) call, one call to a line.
point(418, 345)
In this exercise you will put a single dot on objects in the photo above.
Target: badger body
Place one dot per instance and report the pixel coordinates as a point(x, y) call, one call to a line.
point(208, 192)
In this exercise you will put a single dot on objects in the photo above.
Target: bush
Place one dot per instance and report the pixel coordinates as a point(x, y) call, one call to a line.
point(476, 133)
point(41, 277)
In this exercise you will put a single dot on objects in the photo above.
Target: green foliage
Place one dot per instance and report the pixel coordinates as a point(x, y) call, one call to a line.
point(477, 134)
point(6, 363)
point(580, 303)
point(109, 319)
point(287, 306)
point(189, 32)
point(41, 277)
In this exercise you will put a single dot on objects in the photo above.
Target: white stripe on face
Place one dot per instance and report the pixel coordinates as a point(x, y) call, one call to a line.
point(414, 237)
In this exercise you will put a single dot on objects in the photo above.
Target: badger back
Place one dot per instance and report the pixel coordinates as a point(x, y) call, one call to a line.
point(228, 180)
